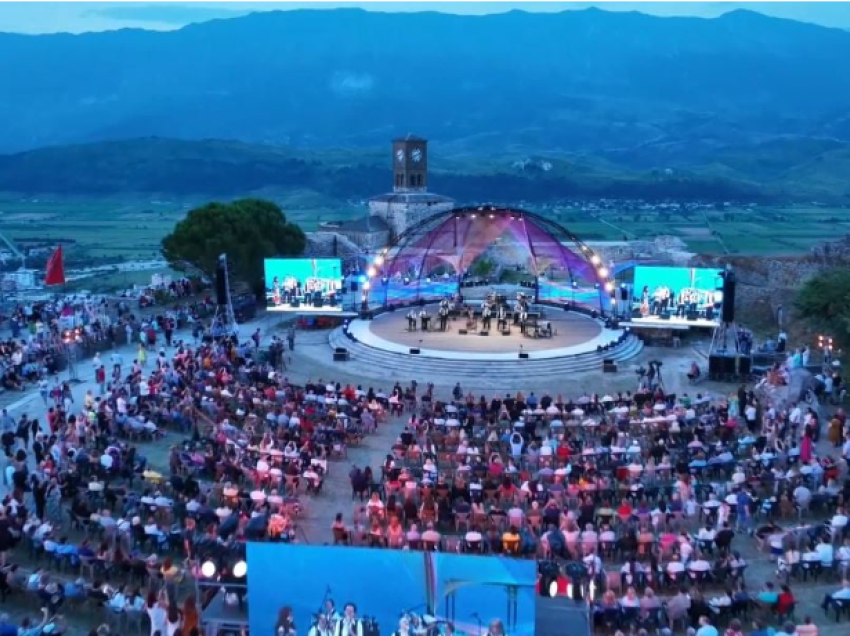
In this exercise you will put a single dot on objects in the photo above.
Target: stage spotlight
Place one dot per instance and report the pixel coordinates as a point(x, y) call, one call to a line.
point(361, 279)
point(595, 259)
point(595, 285)
point(367, 285)
point(385, 280)
point(379, 260)
point(603, 272)
point(492, 216)
point(553, 589)
point(428, 280)
point(371, 272)
point(473, 216)
point(240, 569)
point(609, 286)
point(208, 569)
point(574, 284)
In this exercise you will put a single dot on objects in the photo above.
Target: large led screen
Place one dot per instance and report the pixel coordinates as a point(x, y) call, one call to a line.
point(303, 284)
point(375, 591)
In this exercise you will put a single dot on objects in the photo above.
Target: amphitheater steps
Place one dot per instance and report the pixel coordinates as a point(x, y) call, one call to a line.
point(385, 364)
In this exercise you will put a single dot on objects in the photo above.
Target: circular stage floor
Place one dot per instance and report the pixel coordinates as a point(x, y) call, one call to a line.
point(575, 334)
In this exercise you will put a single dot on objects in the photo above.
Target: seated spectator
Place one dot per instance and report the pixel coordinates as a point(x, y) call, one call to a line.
point(842, 595)
point(679, 606)
point(630, 599)
point(785, 602)
point(808, 628)
point(768, 597)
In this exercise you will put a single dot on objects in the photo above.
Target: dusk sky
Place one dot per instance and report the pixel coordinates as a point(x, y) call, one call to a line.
point(77, 17)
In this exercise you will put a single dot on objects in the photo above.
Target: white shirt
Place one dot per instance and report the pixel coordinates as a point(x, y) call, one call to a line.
point(826, 553)
point(345, 628)
point(159, 619)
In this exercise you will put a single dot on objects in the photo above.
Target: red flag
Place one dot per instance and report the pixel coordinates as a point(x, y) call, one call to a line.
point(55, 274)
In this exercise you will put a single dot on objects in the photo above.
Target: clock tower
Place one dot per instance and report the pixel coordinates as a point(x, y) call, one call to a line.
point(410, 164)
point(409, 202)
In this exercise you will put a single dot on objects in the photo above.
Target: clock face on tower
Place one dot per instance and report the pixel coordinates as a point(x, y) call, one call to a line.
point(416, 155)
point(399, 155)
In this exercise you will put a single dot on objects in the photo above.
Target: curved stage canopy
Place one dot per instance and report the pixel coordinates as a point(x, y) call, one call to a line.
point(458, 250)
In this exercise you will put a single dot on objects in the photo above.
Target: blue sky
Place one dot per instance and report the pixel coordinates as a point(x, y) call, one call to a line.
point(78, 17)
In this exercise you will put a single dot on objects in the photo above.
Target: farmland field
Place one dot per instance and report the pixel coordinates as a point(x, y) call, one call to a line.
point(118, 229)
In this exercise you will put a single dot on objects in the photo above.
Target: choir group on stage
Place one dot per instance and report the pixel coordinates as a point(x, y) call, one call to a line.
point(664, 300)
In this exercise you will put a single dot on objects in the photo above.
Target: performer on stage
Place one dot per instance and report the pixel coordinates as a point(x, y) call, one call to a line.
point(496, 628)
point(330, 613)
point(693, 300)
point(644, 301)
point(285, 623)
point(681, 299)
point(321, 628)
point(444, 316)
point(403, 627)
point(349, 625)
point(502, 318)
point(485, 317)
point(424, 319)
point(411, 320)
point(523, 313)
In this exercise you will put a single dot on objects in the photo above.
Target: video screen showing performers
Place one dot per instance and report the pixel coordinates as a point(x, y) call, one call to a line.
point(303, 284)
point(303, 590)
point(677, 293)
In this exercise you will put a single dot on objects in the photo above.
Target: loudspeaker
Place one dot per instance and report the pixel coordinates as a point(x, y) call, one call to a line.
point(506, 333)
point(332, 302)
point(523, 356)
point(414, 351)
point(715, 366)
point(609, 367)
point(317, 301)
point(462, 332)
point(728, 310)
point(728, 365)
point(692, 315)
point(294, 302)
point(594, 314)
point(220, 285)
point(624, 293)
point(745, 365)
point(664, 316)
point(709, 313)
point(483, 332)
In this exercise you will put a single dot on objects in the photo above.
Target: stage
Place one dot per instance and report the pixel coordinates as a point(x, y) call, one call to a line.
point(573, 334)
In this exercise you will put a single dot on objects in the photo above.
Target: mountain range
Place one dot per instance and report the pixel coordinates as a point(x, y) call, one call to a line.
point(756, 101)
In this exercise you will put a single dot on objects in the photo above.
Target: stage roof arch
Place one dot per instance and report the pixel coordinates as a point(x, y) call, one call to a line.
point(439, 254)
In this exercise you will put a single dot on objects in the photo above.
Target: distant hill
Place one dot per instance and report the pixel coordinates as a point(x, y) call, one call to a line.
point(637, 90)
point(780, 170)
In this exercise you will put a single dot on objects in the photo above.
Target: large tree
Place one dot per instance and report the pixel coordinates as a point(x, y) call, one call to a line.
point(247, 230)
point(824, 301)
